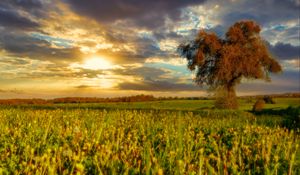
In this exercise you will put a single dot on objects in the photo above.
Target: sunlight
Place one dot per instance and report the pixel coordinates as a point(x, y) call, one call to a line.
point(96, 63)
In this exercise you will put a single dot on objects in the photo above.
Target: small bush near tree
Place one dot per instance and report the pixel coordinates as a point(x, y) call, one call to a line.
point(259, 105)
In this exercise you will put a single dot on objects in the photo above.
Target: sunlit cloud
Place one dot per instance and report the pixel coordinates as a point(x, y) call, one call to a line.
point(112, 48)
point(94, 63)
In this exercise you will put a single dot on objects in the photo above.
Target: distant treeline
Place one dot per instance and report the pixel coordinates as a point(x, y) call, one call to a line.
point(285, 95)
point(135, 98)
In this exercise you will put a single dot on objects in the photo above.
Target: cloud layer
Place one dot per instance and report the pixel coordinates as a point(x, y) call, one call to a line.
point(150, 14)
point(41, 41)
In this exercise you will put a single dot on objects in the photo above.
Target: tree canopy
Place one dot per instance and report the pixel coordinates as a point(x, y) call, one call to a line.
point(223, 62)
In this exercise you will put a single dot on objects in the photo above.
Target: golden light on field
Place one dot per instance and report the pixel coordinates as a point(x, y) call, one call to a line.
point(96, 63)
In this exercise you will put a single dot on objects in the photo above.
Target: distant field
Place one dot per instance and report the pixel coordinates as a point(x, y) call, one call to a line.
point(159, 137)
point(182, 105)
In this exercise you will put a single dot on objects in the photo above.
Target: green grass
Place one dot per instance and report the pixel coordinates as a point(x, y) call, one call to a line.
point(167, 137)
point(179, 105)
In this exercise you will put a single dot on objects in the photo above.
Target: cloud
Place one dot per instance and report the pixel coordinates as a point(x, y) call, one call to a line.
point(293, 64)
point(285, 51)
point(288, 81)
point(152, 79)
point(84, 87)
point(287, 32)
point(12, 19)
point(41, 40)
point(157, 85)
point(14, 61)
point(14, 91)
point(61, 73)
point(24, 45)
point(141, 72)
point(26, 4)
point(132, 49)
point(23, 14)
point(36, 8)
point(264, 11)
point(144, 13)
point(219, 15)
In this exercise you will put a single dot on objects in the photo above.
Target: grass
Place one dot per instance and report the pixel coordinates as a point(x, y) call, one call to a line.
point(168, 137)
point(179, 105)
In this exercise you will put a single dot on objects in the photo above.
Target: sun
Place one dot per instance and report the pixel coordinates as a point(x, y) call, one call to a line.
point(96, 63)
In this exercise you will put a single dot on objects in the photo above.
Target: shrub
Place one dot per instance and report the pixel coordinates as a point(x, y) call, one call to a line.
point(292, 120)
point(268, 100)
point(259, 105)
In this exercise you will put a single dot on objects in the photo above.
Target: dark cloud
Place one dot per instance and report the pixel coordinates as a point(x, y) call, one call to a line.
point(23, 45)
point(141, 71)
point(23, 14)
point(84, 87)
point(288, 81)
point(12, 19)
point(26, 4)
point(144, 13)
point(37, 8)
point(262, 11)
point(157, 85)
point(152, 79)
point(278, 19)
point(285, 51)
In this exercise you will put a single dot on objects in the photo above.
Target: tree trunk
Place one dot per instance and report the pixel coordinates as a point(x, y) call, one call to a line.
point(226, 98)
point(231, 98)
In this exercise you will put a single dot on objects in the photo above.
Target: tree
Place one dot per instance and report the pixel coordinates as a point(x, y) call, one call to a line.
point(221, 63)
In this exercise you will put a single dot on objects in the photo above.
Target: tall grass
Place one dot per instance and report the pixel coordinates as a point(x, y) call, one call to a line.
point(85, 141)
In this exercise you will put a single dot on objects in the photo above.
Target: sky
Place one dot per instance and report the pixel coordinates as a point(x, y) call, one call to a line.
point(110, 48)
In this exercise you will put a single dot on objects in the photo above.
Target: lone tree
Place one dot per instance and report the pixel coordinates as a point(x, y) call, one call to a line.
point(222, 63)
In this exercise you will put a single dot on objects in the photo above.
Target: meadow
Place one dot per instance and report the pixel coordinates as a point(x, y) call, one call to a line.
point(158, 137)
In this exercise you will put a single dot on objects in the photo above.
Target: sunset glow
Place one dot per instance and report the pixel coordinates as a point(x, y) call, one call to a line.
point(156, 87)
point(95, 63)
point(71, 48)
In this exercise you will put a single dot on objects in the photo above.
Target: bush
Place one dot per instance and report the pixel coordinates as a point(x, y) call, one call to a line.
point(292, 120)
point(259, 105)
point(268, 100)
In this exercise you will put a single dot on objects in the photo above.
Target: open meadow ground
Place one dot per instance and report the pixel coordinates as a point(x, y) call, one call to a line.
point(158, 137)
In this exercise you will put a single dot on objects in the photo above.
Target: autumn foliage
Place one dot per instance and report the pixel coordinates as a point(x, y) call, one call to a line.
point(221, 63)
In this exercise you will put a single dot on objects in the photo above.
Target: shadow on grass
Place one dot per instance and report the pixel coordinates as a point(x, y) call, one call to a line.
point(289, 117)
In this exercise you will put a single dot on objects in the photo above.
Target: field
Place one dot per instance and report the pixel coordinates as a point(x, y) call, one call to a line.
point(159, 137)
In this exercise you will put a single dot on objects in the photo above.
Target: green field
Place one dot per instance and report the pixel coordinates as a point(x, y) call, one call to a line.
point(159, 137)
